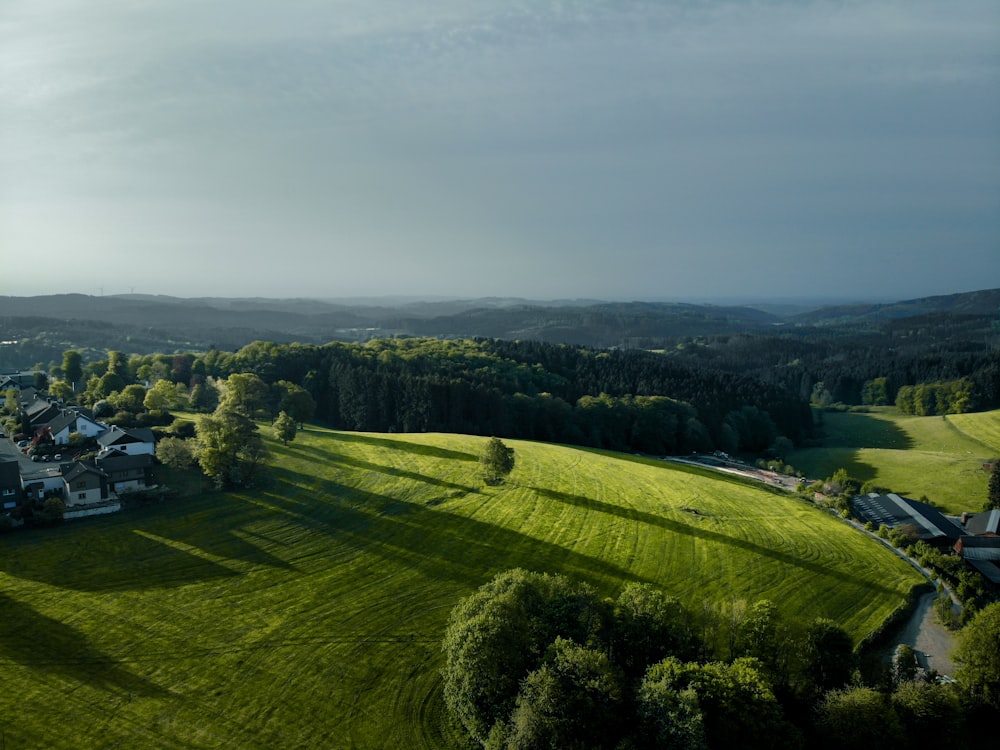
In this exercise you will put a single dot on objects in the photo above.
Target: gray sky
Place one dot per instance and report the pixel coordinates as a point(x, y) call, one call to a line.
point(617, 149)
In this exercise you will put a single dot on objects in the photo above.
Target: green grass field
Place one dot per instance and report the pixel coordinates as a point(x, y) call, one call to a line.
point(309, 614)
point(940, 457)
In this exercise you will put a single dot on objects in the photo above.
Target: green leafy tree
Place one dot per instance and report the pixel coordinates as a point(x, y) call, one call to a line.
point(175, 453)
point(61, 389)
point(573, 700)
point(668, 717)
point(72, 366)
point(230, 449)
point(118, 365)
point(295, 401)
point(738, 707)
point(993, 487)
point(284, 428)
point(978, 656)
point(858, 717)
point(648, 627)
point(130, 398)
point(496, 461)
point(244, 393)
point(499, 634)
point(161, 396)
point(52, 511)
point(829, 656)
point(930, 713)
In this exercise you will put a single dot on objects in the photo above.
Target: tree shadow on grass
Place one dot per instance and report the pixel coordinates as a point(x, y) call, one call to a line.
point(716, 537)
point(336, 458)
point(860, 430)
point(37, 641)
point(441, 545)
point(401, 445)
point(163, 547)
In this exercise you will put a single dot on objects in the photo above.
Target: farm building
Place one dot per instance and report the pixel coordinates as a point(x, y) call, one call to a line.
point(982, 524)
point(894, 511)
point(982, 553)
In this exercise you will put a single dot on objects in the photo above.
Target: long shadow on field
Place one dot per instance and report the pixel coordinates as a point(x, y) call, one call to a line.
point(34, 640)
point(122, 560)
point(439, 544)
point(403, 445)
point(859, 430)
point(327, 457)
point(639, 516)
point(163, 547)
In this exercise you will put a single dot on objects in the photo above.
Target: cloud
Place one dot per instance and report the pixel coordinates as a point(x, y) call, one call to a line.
point(502, 148)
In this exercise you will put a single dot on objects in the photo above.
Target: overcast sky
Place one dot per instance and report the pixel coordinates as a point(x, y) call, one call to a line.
point(620, 150)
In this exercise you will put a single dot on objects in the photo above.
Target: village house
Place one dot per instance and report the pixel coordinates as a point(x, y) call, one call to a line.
point(18, 381)
point(40, 412)
point(41, 483)
point(11, 493)
point(132, 442)
point(126, 473)
point(83, 484)
point(74, 420)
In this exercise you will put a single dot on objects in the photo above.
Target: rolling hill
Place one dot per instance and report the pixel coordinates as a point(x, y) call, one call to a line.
point(938, 457)
point(308, 613)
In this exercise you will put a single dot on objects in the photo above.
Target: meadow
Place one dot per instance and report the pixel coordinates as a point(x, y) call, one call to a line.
point(940, 458)
point(308, 613)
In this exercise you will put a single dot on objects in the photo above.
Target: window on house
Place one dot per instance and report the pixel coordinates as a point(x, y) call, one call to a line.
point(7, 492)
point(82, 496)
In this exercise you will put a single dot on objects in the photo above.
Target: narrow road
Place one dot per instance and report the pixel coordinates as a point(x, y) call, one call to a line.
point(931, 640)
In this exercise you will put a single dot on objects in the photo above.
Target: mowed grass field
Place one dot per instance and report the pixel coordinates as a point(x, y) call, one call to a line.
point(309, 613)
point(940, 457)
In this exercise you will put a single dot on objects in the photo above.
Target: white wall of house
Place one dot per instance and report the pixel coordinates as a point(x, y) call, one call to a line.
point(82, 497)
point(84, 426)
point(132, 449)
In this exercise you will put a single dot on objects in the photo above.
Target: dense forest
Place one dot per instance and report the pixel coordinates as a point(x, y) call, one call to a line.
point(621, 400)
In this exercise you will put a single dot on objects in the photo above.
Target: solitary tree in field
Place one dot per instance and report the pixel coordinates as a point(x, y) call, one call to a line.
point(284, 428)
point(496, 460)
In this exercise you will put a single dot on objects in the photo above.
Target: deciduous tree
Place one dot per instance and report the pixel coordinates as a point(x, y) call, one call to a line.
point(284, 428)
point(230, 448)
point(496, 461)
point(978, 656)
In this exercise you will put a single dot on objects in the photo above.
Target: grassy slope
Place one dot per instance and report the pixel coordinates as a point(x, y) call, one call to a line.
point(940, 457)
point(309, 614)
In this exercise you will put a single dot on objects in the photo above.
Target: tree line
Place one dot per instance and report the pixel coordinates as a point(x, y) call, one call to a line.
point(539, 661)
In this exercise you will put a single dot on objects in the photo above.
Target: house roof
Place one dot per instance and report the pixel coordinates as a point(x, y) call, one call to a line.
point(988, 568)
point(49, 472)
point(980, 547)
point(983, 523)
point(893, 510)
point(37, 406)
point(68, 418)
point(75, 470)
point(123, 462)
point(122, 435)
point(10, 474)
point(19, 379)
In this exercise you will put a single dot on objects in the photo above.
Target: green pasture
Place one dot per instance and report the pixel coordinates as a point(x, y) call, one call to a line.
point(308, 613)
point(937, 457)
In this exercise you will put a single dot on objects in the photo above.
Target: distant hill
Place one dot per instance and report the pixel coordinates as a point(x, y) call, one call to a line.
point(984, 302)
point(45, 326)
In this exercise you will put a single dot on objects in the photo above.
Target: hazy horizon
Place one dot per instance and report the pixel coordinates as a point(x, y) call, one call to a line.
point(610, 150)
